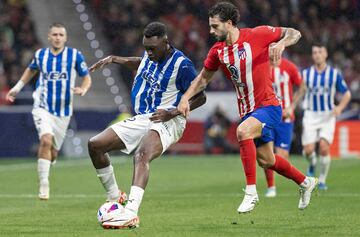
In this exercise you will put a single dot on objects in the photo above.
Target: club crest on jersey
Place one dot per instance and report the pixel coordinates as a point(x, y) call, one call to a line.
point(54, 75)
point(242, 54)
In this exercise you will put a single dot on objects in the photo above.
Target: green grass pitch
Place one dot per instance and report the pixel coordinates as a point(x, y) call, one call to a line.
point(186, 196)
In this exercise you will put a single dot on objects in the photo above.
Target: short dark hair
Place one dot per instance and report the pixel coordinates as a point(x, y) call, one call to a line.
point(318, 44)
point(155, 29)
point(57, 24)
point(226, 11)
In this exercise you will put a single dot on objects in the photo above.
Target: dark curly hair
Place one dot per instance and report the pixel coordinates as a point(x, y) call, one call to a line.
point(155, 29)
point(226, 11)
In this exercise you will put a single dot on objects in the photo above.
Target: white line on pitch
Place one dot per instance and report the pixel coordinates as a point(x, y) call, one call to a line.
point(65, 196)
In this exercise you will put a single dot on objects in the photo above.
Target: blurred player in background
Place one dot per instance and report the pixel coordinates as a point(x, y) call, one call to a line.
point(163, 75)
point(57, 67)
point(284, 75)
point(243, 55)
point(322, 82)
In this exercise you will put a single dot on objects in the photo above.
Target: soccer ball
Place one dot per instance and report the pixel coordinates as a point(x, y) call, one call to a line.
point(108, 211)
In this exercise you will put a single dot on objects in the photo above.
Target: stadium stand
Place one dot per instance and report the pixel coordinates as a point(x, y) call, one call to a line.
point(332, 22)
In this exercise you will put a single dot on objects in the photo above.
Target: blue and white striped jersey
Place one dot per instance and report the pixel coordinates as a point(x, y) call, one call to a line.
point(322, 87)
point(160, 85)
point(56, 78)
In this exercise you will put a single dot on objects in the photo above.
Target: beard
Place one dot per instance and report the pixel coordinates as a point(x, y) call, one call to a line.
point(221, 38)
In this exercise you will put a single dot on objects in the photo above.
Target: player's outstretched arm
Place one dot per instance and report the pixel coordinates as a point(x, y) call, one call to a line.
point(199, 84)
point(289, 36)
point(25, 78)
point(130, 62)
point(85, 86)
point(162, 115)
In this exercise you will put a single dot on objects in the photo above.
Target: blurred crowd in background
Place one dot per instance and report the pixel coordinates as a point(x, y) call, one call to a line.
point(18, 42)
point(333, 22)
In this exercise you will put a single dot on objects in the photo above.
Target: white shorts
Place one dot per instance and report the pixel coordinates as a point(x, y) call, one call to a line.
point(132, 130)
point(47, 123)
point(318, 125)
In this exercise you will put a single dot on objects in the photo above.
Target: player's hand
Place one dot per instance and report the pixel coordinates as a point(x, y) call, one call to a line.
point(287, 112)
point(337, 111)
point(161, 115)
point(184, 107)
point(101, 63)
point(10, 96)
point(276, 50)
point(79, 91)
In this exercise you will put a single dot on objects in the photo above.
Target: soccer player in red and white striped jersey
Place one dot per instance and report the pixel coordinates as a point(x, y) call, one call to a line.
point(284, 75)
point(243, 55)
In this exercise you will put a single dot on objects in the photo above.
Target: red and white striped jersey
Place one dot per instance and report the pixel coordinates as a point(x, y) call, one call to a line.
point(284, 77)
point(246, 64)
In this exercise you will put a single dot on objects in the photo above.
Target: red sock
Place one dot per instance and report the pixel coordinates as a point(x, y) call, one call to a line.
point(282, 166)
point(248, 158)
point(269, 174)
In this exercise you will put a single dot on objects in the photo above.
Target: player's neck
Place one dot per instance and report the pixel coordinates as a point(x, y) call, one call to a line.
point(56, 51)
point(233, 36)
point(168, 52)
point(320, 67)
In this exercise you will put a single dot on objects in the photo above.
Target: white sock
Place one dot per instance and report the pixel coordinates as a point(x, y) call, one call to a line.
point(324, 168)
point(107, 178)
point(135, 197)
point(251, 189)
point(312, 158)
point(43, 171)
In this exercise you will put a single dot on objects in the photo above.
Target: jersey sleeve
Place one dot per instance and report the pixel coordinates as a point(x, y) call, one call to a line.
point(212, 61)
point(265, 35)
point(340, 83)
point(80, 66)
point(186, 75)
point(34, 62)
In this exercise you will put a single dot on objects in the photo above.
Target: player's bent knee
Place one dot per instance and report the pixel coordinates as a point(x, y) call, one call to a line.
point(308, 150)
point(264, 163)
point(94, 145)
point(46, 141)
point(242, 133)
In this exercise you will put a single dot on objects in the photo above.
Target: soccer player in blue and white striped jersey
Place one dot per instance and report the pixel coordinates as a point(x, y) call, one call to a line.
point(322, 83)
point(57, 67)
point(163, 75)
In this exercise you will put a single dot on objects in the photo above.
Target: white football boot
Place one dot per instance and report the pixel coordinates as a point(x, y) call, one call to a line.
point(249, 202)
point(44, 190)
point(305, 192)
point(271, 192)
point(125, 219)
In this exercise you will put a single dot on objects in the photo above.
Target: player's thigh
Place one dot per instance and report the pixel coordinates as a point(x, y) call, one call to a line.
point(42, 123)
point(106, 141)
point(249, 128)
point(170, 131)
point(265, 155)
point(310, 134)
point(327, 129)
point(130, 131)
point(260, 124)
point(283, 137)
point(150, 146)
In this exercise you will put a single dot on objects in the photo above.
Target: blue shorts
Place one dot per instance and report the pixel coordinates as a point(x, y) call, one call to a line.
point(283, 135)
point(270, 117)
